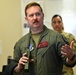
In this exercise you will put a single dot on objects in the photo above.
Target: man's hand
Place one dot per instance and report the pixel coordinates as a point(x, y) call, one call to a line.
point(67, 50)
point(21, 63)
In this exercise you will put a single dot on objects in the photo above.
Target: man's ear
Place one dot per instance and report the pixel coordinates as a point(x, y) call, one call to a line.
point(26, 18)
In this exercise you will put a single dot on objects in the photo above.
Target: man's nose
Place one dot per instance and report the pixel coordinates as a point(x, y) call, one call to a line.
point(34, 16)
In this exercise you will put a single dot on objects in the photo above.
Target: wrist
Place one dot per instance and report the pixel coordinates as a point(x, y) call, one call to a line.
point(18, 68)
point(73, 57)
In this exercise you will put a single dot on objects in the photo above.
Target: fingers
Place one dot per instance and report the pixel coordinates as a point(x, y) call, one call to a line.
point(23, 60)
point(63, 53)
point(25, 54)
point(65, 48)
point(71, 44)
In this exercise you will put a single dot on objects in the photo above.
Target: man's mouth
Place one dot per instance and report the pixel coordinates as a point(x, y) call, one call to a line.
point(35, 22)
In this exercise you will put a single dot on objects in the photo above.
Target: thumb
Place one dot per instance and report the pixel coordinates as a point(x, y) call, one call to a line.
point(71, 44)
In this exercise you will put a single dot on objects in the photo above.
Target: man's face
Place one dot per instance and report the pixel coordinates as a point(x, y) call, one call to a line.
point(57, 24)
point(34, 17)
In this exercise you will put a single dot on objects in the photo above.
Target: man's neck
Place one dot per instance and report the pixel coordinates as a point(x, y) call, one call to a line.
point(37, 30)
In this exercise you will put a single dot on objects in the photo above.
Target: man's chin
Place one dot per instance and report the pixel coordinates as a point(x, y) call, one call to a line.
point(36, 26)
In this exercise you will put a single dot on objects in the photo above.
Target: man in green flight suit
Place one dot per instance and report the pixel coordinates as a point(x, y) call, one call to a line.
point(39, 51)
